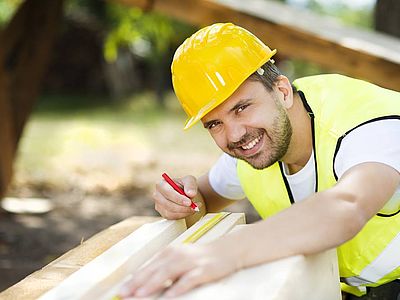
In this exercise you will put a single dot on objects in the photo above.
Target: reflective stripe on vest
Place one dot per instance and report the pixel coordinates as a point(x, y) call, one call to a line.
point(384, 264)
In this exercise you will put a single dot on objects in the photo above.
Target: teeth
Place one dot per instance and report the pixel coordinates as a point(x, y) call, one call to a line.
point(252, 143)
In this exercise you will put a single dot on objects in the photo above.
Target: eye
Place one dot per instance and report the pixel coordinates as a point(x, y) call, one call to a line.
point(241, 108)
point(213, 125)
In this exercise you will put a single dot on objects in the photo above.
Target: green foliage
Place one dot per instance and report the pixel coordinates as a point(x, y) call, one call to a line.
point(359, 17)
point(147, 34)
point(7, 10)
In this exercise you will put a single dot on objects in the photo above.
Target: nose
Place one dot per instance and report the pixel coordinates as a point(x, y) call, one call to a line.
point(235, 131)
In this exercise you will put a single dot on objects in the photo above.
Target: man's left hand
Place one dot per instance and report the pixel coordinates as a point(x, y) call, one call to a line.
point(181, 268)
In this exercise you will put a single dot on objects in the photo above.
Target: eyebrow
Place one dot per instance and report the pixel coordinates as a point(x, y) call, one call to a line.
point(235, 107)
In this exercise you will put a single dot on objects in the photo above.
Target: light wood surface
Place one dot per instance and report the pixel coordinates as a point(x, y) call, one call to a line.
point(299, 277)
point(312, 277)
point(96, 278)
point(36, 284)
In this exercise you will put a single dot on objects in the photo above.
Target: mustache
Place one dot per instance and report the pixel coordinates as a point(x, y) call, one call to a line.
point(246, 138)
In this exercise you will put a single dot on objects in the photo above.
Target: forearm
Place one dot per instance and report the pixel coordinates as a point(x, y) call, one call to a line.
point(314, 225)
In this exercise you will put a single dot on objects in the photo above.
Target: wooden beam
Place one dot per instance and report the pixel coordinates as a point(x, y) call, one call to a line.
point(312, 277)
point(107, 269)
point(114, 267)
point(36, 284)
point(218, 230)
point(298, 34)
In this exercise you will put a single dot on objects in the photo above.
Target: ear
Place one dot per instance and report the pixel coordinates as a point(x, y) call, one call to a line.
point(285, 91)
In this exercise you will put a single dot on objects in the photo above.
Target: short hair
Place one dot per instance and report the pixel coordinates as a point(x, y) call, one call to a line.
point(267, 74)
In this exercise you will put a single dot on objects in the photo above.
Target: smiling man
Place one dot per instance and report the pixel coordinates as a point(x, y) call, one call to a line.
point(319, 159)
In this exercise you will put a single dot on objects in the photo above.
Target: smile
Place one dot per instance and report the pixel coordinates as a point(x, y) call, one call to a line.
point(252, 143)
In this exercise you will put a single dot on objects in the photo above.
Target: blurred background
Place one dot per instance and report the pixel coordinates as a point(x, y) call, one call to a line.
point(97, 120)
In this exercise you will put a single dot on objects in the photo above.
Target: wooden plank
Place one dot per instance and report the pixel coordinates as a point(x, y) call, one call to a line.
point(295, 278)
point(113, 269)
point(218, 230)
point(313, 277)
point(36, 284)
point(299, 277)
point(92, 281)
point(298, 34)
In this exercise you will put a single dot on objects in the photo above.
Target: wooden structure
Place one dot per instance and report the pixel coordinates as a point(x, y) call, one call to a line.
point(295, 278)
point(36, 284)
point(297, 34)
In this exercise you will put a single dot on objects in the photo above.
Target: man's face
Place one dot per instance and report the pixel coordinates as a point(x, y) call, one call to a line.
point(251, 125)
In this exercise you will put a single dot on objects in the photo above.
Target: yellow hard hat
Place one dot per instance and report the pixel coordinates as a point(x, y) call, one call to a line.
point(210, 65)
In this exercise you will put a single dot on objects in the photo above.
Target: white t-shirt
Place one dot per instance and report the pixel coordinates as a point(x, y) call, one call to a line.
point(377, 141)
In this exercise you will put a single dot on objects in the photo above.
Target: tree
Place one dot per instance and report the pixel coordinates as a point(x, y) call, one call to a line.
point(387, 17)
point(145, 34)
point(26, 43)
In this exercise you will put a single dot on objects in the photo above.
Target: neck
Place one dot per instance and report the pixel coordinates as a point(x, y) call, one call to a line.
point(300, 147)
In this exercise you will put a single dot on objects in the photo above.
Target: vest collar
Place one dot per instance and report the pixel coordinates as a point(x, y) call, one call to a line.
point(281, 167)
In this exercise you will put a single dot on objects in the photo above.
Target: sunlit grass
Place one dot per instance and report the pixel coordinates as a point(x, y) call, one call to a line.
point(69, 140)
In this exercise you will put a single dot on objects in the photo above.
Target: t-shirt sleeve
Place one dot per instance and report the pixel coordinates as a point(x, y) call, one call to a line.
point(224, 180)
point(377, 141)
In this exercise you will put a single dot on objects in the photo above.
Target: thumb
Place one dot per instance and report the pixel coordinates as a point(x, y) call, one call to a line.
point(189, 185)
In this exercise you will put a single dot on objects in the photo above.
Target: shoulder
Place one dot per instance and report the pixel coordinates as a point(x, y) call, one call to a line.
point(223, 178)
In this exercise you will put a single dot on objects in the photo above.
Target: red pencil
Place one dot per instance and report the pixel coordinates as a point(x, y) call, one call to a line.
point(179, 190)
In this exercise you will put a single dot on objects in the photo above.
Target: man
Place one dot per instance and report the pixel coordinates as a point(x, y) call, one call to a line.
point(319, 160)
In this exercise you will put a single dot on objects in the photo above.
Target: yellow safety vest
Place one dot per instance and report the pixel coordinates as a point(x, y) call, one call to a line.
point(337, 105)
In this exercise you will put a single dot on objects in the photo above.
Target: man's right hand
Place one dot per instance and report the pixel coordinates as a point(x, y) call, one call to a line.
point(172, 205)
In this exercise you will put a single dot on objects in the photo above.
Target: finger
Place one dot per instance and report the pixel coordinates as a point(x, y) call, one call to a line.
point(166, 207)
point(189, 281)
point(171, 206)
point(169, 193)
point(165, 275)
point(189, 184)
point(162, 201)
point(158, 282)
point(141, 276)
point(129, 288)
